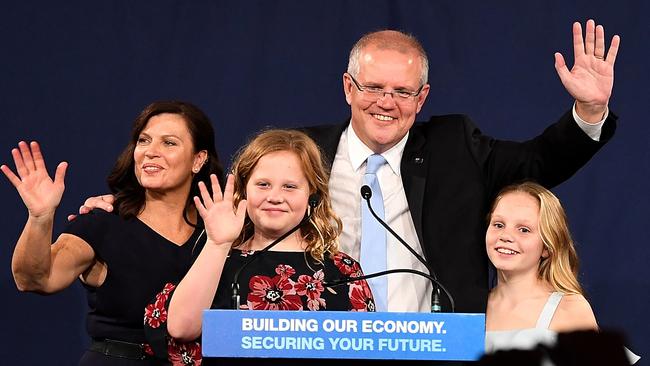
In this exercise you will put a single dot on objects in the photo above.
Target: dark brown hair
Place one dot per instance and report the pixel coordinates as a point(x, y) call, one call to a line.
point(129, 194)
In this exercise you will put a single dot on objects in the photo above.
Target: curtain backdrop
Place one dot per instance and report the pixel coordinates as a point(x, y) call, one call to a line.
point(74, 74)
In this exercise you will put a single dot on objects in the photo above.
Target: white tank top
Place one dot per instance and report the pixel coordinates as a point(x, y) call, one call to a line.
point(526, 338)
point(529, 338)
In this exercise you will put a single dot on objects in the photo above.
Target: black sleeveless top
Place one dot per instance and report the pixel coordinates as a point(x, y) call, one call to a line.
point(140, 262)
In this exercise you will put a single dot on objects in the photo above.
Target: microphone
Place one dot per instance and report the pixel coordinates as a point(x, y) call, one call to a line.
point(313, 201)
point(366, 194)
point(391, 271)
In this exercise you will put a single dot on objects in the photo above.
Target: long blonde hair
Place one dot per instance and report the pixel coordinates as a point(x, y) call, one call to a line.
point(322, 233)
point(560, 267)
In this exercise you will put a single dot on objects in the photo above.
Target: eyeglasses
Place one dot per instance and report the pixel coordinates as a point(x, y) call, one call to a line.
point(372, 94)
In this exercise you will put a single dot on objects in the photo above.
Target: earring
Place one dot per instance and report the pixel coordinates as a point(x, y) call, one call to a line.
point(196, 170)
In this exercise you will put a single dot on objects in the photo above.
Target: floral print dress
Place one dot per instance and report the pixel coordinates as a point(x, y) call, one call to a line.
point(274, 281)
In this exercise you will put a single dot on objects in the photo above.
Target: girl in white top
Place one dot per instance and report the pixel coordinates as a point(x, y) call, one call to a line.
point(529, 243)
point(537, 293)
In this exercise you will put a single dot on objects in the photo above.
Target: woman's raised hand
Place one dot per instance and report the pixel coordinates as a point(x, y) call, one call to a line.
point(223, 223)
point(40, 194)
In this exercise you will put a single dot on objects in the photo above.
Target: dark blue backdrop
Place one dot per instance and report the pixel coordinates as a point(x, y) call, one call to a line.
point(76, 73)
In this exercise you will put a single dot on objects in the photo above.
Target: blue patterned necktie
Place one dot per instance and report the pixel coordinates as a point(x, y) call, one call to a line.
point(373, 235)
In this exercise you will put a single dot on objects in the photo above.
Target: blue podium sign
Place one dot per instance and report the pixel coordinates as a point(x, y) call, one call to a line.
point(345, 335)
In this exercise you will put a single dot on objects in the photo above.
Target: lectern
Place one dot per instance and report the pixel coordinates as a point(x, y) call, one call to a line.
point(343, 335)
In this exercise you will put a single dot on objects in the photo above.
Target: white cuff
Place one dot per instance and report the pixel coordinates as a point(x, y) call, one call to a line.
point(591, 129)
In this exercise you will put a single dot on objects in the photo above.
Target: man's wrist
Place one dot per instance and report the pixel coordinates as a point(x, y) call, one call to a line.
point(590, 114)
point(592, 129)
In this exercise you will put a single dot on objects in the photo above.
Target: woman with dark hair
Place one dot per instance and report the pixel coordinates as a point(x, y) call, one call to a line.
point(267, 194)
point(121, 258)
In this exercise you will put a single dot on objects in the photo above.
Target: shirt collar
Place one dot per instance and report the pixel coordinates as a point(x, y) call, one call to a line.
point(359, 152)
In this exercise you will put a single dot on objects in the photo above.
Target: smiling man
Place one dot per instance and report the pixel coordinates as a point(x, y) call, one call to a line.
point(381, 117)
point(439, 176)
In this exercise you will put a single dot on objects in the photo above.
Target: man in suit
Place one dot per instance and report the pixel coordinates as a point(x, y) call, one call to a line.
point(440, 176)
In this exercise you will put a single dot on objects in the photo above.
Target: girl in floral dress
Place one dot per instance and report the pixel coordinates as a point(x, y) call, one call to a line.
point(265, 196)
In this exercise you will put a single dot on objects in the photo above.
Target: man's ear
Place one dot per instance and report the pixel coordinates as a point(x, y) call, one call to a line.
point(347, 88)
point(422, 97)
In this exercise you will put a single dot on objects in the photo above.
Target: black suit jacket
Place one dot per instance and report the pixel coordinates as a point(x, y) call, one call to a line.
point(451, 172)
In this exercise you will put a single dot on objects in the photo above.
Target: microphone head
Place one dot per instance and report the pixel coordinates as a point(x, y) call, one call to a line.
point(314, 200)
point(366, 192)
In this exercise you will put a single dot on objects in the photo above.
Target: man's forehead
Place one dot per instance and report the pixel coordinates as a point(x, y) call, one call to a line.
point(390, 67)
point(376, 52)
point(379, 56)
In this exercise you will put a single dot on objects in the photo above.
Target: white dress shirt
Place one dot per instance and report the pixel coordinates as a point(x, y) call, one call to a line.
point(406, 292)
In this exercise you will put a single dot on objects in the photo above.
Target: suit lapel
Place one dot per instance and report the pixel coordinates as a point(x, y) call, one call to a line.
point(415, 162)
point(327, 138)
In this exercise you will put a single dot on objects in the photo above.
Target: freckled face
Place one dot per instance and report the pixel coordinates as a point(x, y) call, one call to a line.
point(164, 154)
point(277, 193)
point(513, 240)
